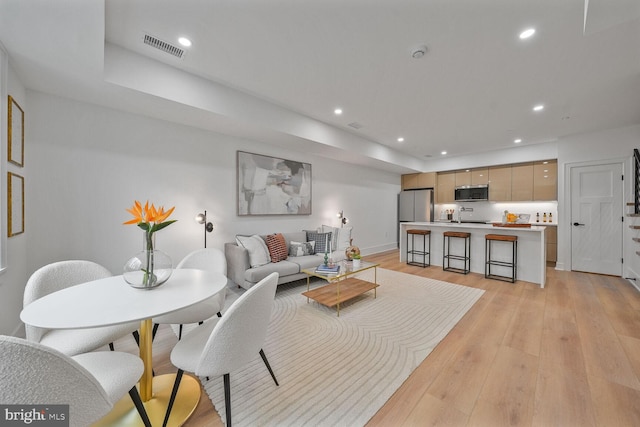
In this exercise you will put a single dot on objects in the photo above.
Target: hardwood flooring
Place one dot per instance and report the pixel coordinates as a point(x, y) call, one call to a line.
point(566, 355)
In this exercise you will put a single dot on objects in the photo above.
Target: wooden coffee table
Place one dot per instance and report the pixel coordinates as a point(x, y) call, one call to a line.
point(341, 286)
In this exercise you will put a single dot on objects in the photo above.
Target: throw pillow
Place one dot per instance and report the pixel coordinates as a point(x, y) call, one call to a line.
point(301, 248)
point(341, 236)
point(277, 247)
point(257, 248)
point(323, 240)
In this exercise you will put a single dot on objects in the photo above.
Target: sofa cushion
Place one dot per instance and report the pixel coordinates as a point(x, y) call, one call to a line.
point(277, 247)
point(308, 261)
point(322, 240)
point(284, 268)
point(257, 248)
point(297, 249)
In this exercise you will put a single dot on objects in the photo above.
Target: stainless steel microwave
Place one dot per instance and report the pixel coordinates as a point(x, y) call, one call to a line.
point(472, 193)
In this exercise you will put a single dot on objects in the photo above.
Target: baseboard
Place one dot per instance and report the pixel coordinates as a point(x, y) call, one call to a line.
point(378, 249)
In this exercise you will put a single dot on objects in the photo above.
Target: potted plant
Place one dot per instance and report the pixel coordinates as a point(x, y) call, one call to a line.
point(356, 260)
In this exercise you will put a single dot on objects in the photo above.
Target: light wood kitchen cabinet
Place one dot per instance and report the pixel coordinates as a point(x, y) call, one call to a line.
point(463, 177)
point(500, 183)
point(409, 181)
point(545, 180)
point(480, 176)
point(551, 238)
point(522, 182)
point(445, 187)
point(427, 180)
point(413, 181)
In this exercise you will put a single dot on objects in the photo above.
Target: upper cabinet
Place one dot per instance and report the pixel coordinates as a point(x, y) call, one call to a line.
point(413, 181)
point(410, 181)
point(522, 182)
point(445, 187)
point(516, 182)
point(463, 178)
point(545, 180)
point(500, 183)
point(480, 176)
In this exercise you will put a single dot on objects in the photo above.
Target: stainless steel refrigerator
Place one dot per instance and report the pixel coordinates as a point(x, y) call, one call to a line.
point(414, 206)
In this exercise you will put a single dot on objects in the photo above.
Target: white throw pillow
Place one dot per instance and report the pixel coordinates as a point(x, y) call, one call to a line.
point(258, 251)
point(340, 237)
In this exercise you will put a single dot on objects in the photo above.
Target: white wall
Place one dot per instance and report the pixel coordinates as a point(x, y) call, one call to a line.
point(599, 147)
point(87, 164)
point(12, 279)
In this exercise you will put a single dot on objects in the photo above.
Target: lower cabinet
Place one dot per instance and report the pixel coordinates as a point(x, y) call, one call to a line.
point(551, 237)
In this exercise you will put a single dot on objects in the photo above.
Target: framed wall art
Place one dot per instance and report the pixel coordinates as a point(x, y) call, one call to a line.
point(272, 185)
point(15, 133)
point(15, 196)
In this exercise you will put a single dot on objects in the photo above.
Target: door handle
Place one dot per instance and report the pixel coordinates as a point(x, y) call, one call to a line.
point(577, 224)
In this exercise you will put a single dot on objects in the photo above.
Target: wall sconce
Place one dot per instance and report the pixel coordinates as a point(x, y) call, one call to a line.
point(343, 219)
point(201, 218)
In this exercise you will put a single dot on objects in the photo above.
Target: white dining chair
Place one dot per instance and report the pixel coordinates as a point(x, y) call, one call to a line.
point(213, 260)
point(90, 383)
point(218, 348)
point(60, 275)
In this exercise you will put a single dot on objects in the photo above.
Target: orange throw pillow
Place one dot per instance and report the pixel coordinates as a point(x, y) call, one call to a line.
point(277, 247)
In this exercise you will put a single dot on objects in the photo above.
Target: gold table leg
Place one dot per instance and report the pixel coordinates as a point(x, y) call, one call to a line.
point(155, 392)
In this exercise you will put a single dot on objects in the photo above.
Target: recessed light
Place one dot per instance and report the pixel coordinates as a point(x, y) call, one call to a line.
point(527, 33)
point(545, 163)
point(401, 139)
point(538, 107)
point(337, 111)
point(443, 153)
point(517, 140)
point(184, 41)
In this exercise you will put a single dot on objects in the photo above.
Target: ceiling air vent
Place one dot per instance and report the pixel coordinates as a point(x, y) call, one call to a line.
point(163, 46)
point(355, 125)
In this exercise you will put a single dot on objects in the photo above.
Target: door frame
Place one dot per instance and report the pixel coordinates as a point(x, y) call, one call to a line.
point(565, 229)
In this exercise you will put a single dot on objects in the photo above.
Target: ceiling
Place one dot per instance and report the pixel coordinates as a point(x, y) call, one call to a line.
point(473, 90)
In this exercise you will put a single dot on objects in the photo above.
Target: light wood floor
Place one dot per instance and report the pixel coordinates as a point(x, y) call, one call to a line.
point(566, 355)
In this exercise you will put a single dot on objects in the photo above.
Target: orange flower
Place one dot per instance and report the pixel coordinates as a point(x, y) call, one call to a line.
point(149, 219)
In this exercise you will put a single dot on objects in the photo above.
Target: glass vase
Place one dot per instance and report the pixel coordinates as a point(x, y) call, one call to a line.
point(148, 269)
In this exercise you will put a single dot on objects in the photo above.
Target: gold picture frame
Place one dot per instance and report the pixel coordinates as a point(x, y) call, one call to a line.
point(16, 133)
point(15, 204)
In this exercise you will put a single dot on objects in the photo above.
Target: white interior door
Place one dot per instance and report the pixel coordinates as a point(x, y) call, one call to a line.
point(596, 219)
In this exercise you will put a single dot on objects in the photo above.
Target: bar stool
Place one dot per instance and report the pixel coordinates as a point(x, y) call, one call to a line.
point(426, 255)
point(447, 255)
point(513, 265)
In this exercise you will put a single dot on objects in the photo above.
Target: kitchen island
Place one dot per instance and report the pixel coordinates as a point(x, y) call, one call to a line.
point(532, 248)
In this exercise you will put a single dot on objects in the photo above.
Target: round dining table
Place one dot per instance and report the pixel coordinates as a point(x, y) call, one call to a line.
point(111, 301)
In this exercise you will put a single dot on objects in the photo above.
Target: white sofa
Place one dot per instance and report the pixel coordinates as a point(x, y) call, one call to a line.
point(245, 260)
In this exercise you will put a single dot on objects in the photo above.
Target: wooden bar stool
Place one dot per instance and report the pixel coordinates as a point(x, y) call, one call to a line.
point(424, 253)
point(447, 255)
point(513, 265)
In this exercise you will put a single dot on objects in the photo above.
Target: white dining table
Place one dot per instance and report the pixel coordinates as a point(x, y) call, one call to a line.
point(111, 301)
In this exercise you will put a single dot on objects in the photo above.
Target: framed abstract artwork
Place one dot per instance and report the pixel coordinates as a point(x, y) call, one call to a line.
point(15, 133)
point(15, 205)
point(272, 185)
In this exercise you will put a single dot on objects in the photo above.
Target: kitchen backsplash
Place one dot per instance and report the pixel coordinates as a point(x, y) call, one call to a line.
point(491, 211)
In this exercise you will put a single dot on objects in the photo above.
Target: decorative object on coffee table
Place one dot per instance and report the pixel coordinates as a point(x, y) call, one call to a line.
point(351, 250)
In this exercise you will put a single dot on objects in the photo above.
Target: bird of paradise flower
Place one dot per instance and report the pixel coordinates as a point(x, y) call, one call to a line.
point(150, 219)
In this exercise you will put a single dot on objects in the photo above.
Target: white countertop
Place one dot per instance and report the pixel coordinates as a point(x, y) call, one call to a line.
point(475, 225)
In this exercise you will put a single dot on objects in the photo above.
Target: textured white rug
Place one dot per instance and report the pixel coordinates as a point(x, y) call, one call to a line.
point(339, 371)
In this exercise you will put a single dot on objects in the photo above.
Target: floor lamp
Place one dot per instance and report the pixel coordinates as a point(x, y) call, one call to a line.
point(201, 218)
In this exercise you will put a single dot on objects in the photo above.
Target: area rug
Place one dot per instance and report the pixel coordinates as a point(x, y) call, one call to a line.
point(339, 371)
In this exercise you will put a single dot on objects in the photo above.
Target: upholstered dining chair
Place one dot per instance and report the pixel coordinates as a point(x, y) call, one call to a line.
point(60, 275)
point(218, 348)
point(90, 383)
point(213, 260)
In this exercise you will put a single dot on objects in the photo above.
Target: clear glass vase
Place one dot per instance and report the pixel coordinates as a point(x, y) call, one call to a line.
point(148, 269)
